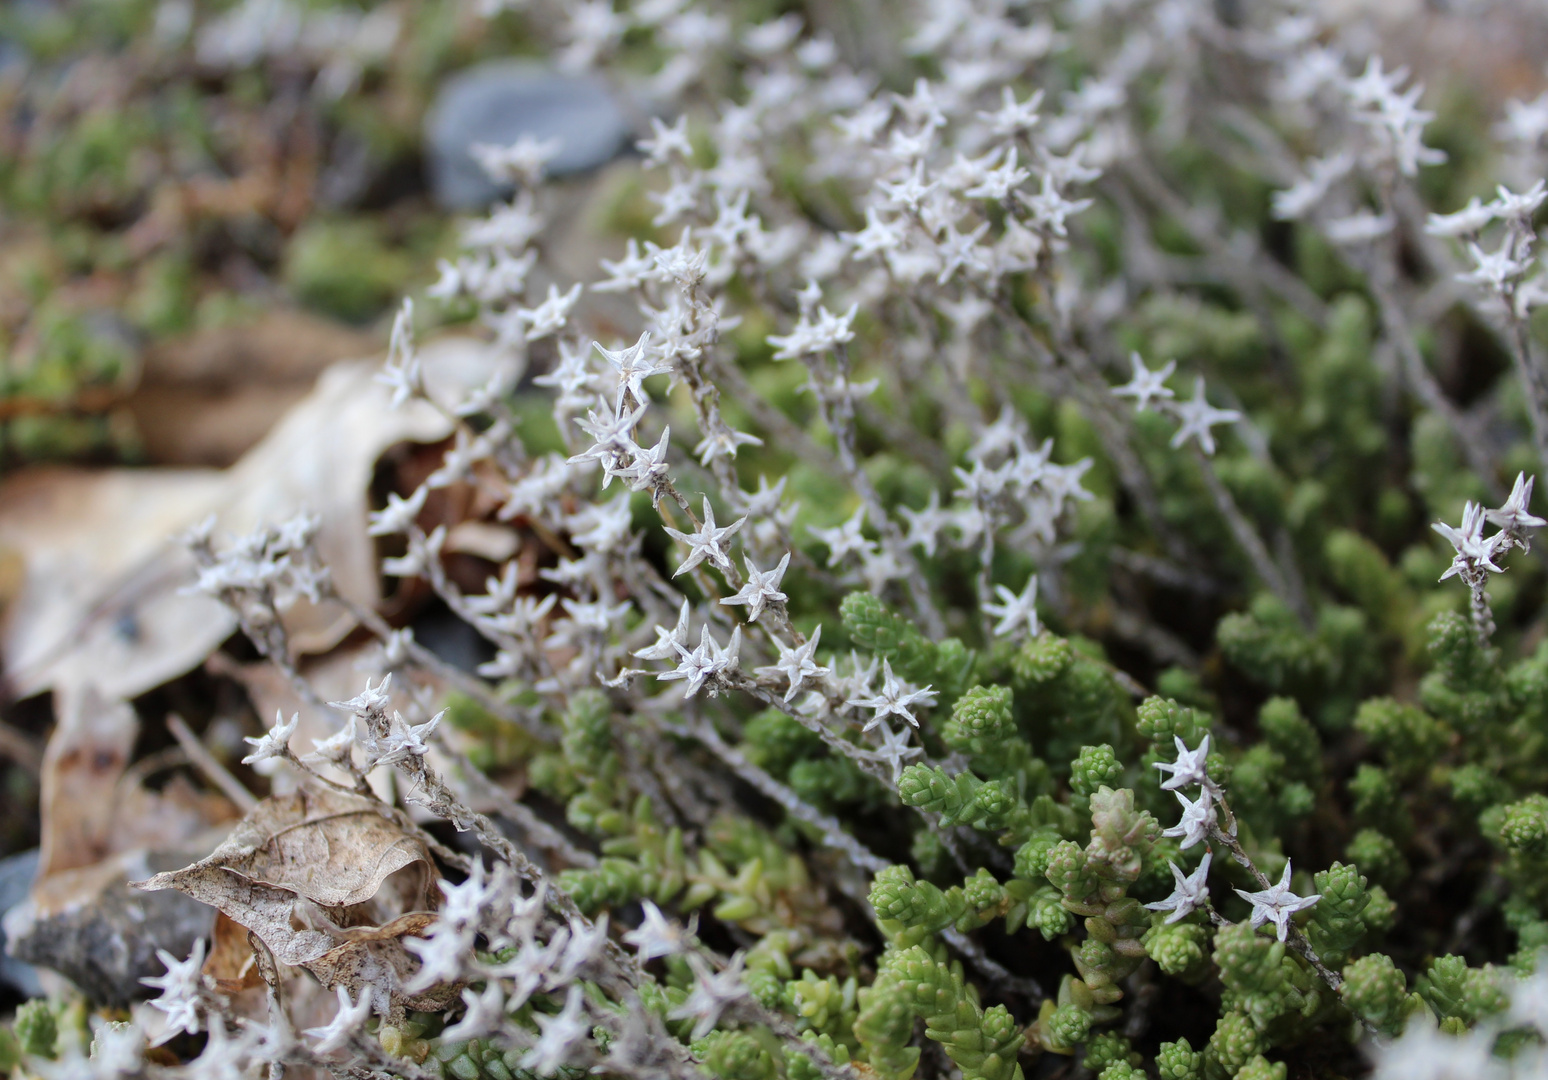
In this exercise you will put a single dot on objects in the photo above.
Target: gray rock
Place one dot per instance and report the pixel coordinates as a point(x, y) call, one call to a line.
point(105, 939)
point(16, 874)
point(500, 101)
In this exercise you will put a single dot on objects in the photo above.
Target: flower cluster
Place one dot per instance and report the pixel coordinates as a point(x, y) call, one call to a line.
point(944, 599)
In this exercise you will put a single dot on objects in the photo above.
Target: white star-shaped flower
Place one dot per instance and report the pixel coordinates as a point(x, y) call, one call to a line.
point(797, 664)
point(666, 140)
point(1189, 892)
point(723, 443)
point(632, 365)
point(668, 642)
point(551, 315)
point(844, 539)
point(1514, 517)
point(705, 662)
point(180, 990)
point(274, 743)
point(370, 701)
point(1277, 903)
point(1473, 550)
point(1189, 768)
point(404, 742)
point(484, 1016)
point(895, 699)
point(560, 1033)
point(924, 526)
point(707, 542)
point(1198, 416)
point(1198, 819)
point(1146, 386)
point(761, 588)
point(1014, 610)
point(895, 749)
point(346, 1023)
point(657, 935)
point(712, 992)
point(1464, 222)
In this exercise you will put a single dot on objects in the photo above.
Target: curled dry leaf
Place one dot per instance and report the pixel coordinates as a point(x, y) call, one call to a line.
point(329, 882)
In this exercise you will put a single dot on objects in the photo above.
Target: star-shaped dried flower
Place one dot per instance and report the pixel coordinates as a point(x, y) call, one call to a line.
point(1189, 893)
point(1189, 768)
point(1514, 517)
point(1014, 610)
point(560, 1033)
point(348, 1022)
point(1146, 386)
point(797, 664)
point(1198, 416)
point(707, 542)
point(1197, 821)
point(274, 743)
point(657, 935)
point(761, 587)
point(1473, 550)
point(1277, 903)
point(895, 699)
point(180, 991)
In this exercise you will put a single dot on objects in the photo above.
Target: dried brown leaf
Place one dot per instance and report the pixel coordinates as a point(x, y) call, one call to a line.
point(231, 962)
point(328, 881)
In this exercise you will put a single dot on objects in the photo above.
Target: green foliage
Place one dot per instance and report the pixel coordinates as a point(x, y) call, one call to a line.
point(37, 1028)
point(1179, 1061)
point(1375, 991)
point(735, 1055)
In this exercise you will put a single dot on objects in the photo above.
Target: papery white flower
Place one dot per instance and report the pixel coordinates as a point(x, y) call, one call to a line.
point(346, 1024)
point(559, 1036)
point(551, 314)
point(1508, 204)
point(1198, 416)
point(845, 539)
point(274, 743)
point(403, 742)
point(181, 991)
point(371, 701)
point(1277, 903)
point(761, 587)
point(1514, 517)
point(894, 748)
point(796, 664)
point(723, 442)
point(822, 334)
point(997, 183)
point(707, 542)
point(1190, 767)
point(669, 643)
point(402, 372)
point(713, 992)
point(523, 161)
point(665, 141)
point(1013, 117)
point(1474, 552)
point(1198, 818)
point(1464, 222)
point(656, 935)
point(924, 526)
point(1425, 1053)
point(484, 1015)
point(895, 699)
point(706, 662)
point(1190, 892)
point(1360, 227)
point(1015, 611)
point(1306, 194)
